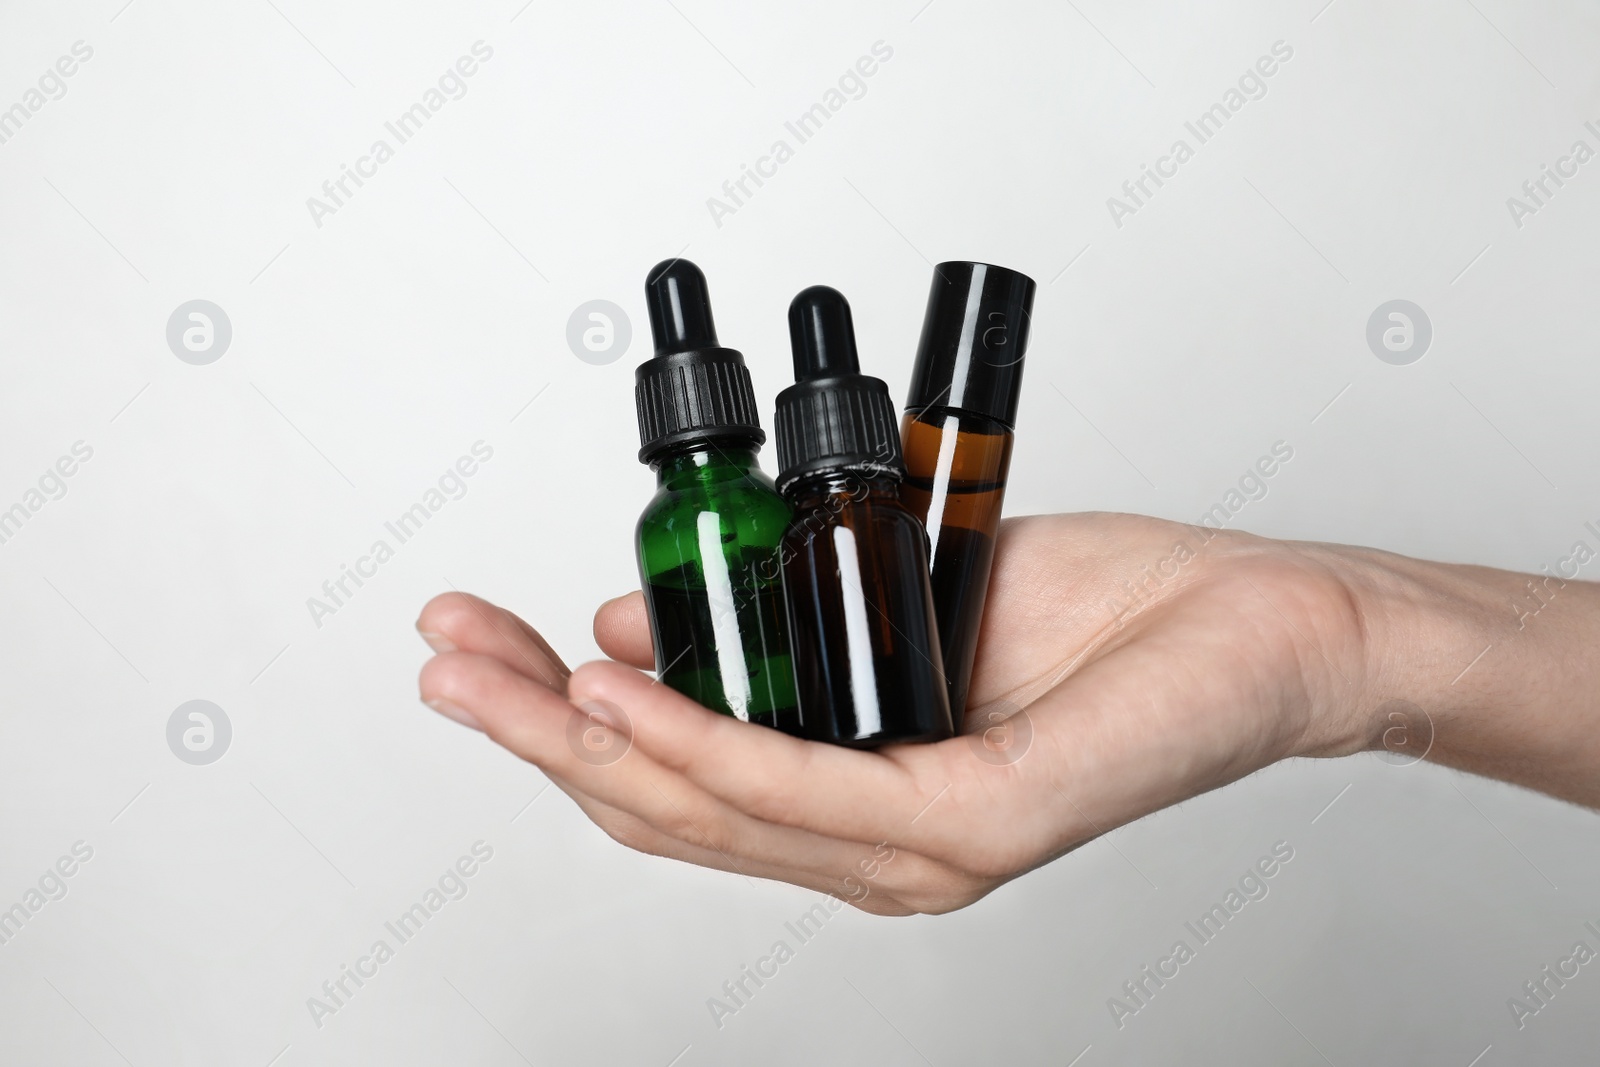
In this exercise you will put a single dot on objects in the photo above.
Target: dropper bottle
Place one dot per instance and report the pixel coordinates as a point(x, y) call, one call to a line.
point(708, 539)
point(957, 434)
point(855, 561)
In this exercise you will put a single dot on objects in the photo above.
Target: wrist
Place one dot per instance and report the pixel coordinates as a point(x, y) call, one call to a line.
point(1484, 670)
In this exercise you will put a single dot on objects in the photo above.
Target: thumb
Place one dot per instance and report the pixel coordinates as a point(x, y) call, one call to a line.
point(622, 630)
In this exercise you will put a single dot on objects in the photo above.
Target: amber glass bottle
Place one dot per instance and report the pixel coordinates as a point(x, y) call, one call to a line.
point(865, 643)
point(957, 434)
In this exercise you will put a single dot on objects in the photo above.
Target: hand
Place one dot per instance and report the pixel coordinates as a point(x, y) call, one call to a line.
point(1145, 662)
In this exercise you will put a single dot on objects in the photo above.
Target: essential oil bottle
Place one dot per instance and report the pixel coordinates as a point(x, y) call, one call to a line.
point(708, 540)
point(957, 434)
point(855, 561)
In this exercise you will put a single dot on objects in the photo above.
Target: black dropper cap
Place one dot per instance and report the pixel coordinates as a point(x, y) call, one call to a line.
point(833, 416)
point(974, 336)
point(692, 389)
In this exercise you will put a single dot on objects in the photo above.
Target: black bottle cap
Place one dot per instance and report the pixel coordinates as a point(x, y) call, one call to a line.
point(833, 416)
point(974, 336)
point(692, 389)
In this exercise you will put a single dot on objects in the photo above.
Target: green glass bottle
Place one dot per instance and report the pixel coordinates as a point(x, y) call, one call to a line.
point(708, 540)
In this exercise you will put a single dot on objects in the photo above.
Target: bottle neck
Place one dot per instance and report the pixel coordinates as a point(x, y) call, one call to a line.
point(843, 483)
point(702, 461)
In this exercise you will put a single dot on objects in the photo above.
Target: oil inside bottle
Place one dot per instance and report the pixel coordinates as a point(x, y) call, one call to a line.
point(695, 620)
point(956, 468)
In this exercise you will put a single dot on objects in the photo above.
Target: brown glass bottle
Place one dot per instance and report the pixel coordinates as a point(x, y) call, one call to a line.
point(862, 634)
point(957, 434)
point(956, 466)
point(862, 630)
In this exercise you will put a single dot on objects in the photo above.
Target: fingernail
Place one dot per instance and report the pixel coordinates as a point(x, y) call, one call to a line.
point(452, 711)
point(437, 642)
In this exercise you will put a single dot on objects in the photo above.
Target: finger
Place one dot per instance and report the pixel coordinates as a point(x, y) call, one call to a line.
point(538, 724)
point(461, 621)
point(625, 828)
point(622, 630)
point(882, 879)
point(827, 790)
point(945, 802)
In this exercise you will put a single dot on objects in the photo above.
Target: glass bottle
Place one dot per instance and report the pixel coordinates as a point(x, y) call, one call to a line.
point(957, 435)
point(708, 542)
point(867, 665)
point(708, 539)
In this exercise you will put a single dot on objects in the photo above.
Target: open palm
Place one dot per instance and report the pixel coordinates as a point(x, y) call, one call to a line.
point(1117, 673)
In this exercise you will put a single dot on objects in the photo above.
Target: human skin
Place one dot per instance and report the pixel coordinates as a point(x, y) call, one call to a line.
point(1252, 651)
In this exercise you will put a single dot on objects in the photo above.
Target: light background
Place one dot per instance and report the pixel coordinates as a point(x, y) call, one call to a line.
point(369, 353)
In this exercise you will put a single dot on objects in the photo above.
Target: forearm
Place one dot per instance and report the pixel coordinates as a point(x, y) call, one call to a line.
point(1505, 666)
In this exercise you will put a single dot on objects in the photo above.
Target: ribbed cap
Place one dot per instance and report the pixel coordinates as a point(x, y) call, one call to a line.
point(692, 389)
point(692, 396)
point(835, 422)
point(833, 417)
point(974, 337)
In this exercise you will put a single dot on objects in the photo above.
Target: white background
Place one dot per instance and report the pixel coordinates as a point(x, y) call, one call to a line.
point(369, 353)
